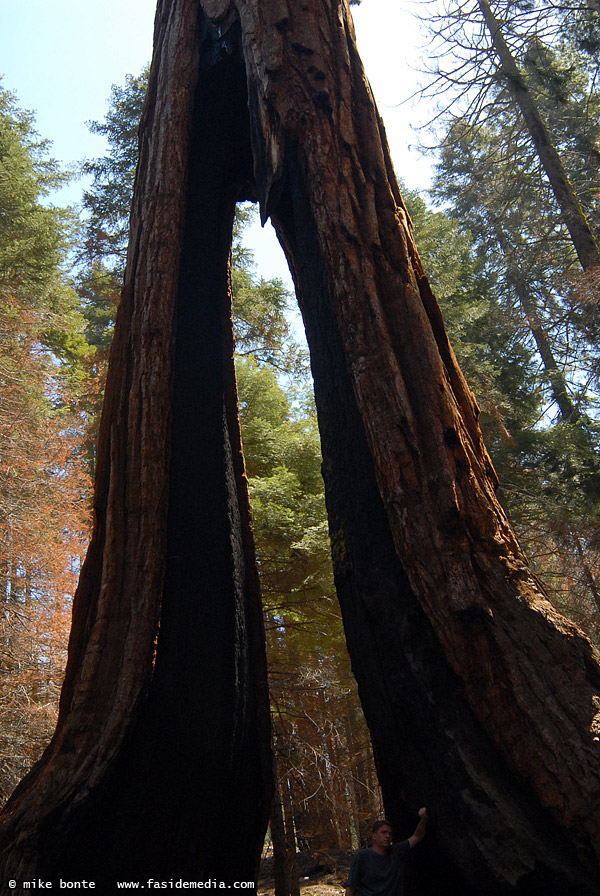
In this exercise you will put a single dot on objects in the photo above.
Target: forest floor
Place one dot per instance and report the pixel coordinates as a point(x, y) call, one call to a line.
point(307, 887)
point(320, 875)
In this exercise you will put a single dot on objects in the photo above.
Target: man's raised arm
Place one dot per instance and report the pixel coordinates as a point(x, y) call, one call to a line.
point(420, 829)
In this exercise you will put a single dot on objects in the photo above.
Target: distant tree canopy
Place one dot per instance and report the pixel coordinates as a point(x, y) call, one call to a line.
point(43, 485)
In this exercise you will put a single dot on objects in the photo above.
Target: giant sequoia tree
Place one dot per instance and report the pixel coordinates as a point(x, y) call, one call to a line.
point(483, 703)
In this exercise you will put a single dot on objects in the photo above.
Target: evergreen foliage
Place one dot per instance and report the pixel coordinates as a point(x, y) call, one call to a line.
point(324, 757)
point(43, 486)
point(107, 201)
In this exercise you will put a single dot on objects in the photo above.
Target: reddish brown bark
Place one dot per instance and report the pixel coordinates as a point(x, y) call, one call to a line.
point(452, 611)
point(482, 702)
point(162, 744)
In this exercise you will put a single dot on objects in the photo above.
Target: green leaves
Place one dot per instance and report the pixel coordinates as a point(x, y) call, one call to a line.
point(282, 451)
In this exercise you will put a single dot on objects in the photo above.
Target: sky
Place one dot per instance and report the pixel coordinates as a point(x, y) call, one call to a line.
point(61, 58)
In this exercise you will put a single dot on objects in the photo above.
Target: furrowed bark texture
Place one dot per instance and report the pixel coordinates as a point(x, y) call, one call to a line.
point(481, 699)
point(163, 736)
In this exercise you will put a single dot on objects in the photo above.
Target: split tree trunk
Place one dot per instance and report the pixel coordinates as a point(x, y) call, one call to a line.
point(482, 702)
point(161, 759)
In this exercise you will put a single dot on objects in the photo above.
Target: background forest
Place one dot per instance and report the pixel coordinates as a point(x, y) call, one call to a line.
point(514, 269)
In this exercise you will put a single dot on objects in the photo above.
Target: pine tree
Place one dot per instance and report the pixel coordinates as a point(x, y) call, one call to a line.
point(43, 486)
point(488, 45)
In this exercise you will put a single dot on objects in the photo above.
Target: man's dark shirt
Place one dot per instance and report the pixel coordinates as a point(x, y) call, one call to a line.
point(373, 874)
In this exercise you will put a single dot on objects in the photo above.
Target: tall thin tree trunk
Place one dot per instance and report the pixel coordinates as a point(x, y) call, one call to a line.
point(333, 779)
point(590, 575)
point(350, 762)
point(573, 216)
point(517, 278)
point(554, 375)
point(281, 865)
point(287, 802)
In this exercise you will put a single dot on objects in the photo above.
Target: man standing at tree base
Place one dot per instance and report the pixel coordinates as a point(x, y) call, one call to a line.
point(377, 871)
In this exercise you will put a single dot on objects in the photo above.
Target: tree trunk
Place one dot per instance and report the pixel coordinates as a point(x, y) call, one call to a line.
point(290, 836)
point(482, 701)
point(517, 278)
point(572, 214)
point(281, 865)
point(161, 756)
point(588, 570)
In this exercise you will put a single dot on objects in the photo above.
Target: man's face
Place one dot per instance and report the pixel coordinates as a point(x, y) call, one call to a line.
point(382, 838)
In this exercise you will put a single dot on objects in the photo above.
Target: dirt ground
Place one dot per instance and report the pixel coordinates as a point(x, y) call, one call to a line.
point(307, 888)
point(320, 875)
